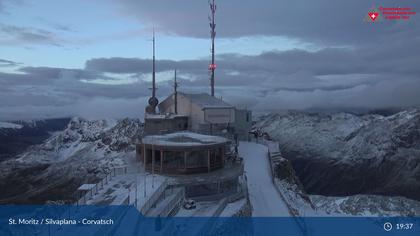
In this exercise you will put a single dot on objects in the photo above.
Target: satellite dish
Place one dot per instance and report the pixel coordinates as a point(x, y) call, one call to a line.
point(153, 101)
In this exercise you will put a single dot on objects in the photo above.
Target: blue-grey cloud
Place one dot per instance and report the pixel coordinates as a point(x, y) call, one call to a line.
point(8, 63)
point(358, 64)
point(322, 21)
point(17, 35)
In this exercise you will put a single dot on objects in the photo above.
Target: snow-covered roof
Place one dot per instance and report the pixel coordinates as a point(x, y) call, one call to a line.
point(162, 116)
point(204, 100)
point(86, 187)
point(183, 139)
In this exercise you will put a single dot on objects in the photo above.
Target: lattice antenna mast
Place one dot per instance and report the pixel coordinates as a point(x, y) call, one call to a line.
point(212, 66)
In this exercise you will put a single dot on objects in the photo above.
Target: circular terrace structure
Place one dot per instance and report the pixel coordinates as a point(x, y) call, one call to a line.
point(182, 153)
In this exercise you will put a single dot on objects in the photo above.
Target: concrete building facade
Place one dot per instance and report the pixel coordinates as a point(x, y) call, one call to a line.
point(202, 109)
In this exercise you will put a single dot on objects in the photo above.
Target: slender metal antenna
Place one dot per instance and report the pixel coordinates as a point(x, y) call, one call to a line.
point(153, 101)
point(212, 66)
point(176, 94)
point(154, 67)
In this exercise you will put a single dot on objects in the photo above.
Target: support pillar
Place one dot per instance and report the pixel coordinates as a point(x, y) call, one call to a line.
point(161, 161)
point(144, 157)
point(208, 160)
point(144, 154)
point(153, 161)
point(222, 156)
point(185, 161)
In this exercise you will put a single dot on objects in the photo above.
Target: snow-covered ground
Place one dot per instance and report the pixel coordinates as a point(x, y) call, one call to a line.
point(7, 125)
point(367, 205)
point(203, 209)
point(264, 197)
point(233, 208)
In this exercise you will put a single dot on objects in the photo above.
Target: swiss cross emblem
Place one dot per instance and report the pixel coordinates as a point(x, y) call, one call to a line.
point(373, 15)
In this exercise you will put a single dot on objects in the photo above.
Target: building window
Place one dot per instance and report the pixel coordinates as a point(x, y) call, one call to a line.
point(247, 117)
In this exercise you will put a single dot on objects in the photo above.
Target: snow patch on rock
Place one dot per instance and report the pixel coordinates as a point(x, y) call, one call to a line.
point(8, 125)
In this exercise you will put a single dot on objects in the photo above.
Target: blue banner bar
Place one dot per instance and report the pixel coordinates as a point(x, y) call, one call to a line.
point(126, 220)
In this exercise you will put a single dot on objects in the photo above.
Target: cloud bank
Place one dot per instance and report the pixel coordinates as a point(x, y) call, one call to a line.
point(355, 64)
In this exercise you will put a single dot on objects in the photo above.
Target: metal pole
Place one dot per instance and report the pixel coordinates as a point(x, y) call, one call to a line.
point(154, 67)
point(153, 165)
point(213, 35)
point(136, 190)
point(144, 187)
point(176, 94)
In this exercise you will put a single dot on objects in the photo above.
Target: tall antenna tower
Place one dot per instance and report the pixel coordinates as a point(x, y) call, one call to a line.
point(153, 101)
point(176, 94)
point(154, 67)
point(212, 66)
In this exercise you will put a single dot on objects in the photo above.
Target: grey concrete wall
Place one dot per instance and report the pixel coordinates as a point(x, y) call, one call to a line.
point(243, 123)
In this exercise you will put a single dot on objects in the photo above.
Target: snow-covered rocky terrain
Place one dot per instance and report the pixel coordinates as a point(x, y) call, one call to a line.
point(8, 125)
point(356, 205)
point(343, 154)
point(338, 154)
point(83, 152)
point(367, 205)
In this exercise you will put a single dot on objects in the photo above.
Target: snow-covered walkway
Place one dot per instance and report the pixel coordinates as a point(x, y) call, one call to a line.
point(264, 198)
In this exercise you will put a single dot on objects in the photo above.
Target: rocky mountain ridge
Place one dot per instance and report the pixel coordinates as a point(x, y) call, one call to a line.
point(343, 154)
point(81, 153)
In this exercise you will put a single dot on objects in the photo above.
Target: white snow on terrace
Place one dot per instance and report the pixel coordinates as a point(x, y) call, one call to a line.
point(183, 139)
point(86, 187)
point(233, 208)
point(7, 125)
point(135, 185)
point(265, 199)
point(203, 209)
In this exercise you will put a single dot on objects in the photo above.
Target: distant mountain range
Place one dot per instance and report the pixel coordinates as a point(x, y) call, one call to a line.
point(354, 156)
point(342, 154)
point(17, 136)
point(53, 169)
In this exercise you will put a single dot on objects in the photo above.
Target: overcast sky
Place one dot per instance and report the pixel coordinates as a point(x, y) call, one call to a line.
point(92, 58)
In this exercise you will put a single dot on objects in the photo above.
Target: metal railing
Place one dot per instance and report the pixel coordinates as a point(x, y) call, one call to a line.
point(153, 198)
point(100, 185)
point(301, 223)
point(174, 203)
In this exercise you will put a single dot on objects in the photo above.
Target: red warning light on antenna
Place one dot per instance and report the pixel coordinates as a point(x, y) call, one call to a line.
point(212, 66)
